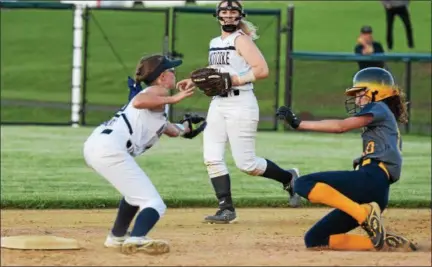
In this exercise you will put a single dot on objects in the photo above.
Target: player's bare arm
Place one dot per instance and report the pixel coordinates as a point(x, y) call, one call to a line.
point(336, 126)
point(326, 126)
point(157, 96)
point(247, 48)
point(176, 129)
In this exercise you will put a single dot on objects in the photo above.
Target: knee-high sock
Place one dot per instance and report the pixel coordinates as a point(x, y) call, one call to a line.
point(222, 187)
point(350, 242)
point(325, 194)
point(276, 173)
point(146, 219)
point(125, 215)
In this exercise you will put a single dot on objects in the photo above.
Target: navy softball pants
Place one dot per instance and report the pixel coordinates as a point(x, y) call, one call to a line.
point(369, 183)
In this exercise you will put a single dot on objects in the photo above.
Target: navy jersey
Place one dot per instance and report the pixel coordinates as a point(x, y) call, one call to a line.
point(367, 64)
point(381, 138)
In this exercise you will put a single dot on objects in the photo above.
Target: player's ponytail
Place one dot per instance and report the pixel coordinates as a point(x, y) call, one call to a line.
point(398, 106)
point(146, 66)
point(249, 28)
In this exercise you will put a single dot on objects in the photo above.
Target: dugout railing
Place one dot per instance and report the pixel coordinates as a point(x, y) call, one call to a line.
point(315, 86)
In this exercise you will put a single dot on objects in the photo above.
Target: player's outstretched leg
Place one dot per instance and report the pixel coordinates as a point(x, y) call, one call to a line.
point(330, 233)
point(338, 189)
point(226, 213)
point(118, 234)
point(367, 215)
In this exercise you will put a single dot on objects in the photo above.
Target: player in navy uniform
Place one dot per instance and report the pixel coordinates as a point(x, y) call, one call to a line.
point(360, 195)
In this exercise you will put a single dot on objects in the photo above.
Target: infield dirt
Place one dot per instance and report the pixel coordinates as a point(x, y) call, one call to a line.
point(261, 237)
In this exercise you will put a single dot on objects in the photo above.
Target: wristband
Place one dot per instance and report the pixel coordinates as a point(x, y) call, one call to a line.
point(247, 77)
point(181, 128)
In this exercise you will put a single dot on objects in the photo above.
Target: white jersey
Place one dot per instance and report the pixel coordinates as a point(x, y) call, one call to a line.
point(223, 56)
point(142, 127)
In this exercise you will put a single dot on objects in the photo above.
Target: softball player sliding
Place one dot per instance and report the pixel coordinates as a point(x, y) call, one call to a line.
point(358, 195)
point(233, 117)
point(111, 148)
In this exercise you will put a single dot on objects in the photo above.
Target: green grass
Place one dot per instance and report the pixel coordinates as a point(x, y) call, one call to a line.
point(43, 167)
point(36, 49)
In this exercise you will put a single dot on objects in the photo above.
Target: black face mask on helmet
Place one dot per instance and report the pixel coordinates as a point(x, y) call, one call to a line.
point(239, 8)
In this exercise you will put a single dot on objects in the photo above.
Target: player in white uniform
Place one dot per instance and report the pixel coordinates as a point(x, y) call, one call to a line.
point(234, 117)
point(111, 148)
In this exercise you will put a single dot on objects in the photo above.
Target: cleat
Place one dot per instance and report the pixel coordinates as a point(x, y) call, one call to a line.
point(222, 217)
point(149, 246)
point(394, 242)
point(115, 242)
point(295, 199)
point(374, 226)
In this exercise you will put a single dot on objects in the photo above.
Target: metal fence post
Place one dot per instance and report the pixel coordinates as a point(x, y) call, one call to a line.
point(166, 42)
point(408, 93)
point(288, 57)
point(278, 54)
point(166, 52)
point(77, 65)
point(172, 52)
point(86, 18)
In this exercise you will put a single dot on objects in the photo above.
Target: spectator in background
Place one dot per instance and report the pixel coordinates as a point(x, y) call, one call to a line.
point(400, 8)
point(367, 46)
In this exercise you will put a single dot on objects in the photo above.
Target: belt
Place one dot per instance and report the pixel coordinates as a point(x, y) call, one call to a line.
point(109, 131)
point(235, 92)
point(380, 164)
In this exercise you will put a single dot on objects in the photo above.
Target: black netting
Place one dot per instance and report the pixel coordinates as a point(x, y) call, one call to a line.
point(36, 65)
point(194, 45)
point(421, 86)
point(117, 40)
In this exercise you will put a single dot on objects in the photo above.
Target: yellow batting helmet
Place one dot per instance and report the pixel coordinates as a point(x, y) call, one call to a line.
point(377, 84)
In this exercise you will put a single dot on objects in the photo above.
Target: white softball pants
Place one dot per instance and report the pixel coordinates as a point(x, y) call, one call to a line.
point(108, 156)
point(232, 119)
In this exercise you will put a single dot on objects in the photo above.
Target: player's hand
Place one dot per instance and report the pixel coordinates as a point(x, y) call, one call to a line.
point(185, 84)
point(285, 113)
point(182, 95)
point(356, 162)
point(195, 123)
point(368, 49)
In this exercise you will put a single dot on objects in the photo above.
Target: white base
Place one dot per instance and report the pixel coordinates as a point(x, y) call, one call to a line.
point(39, 242)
